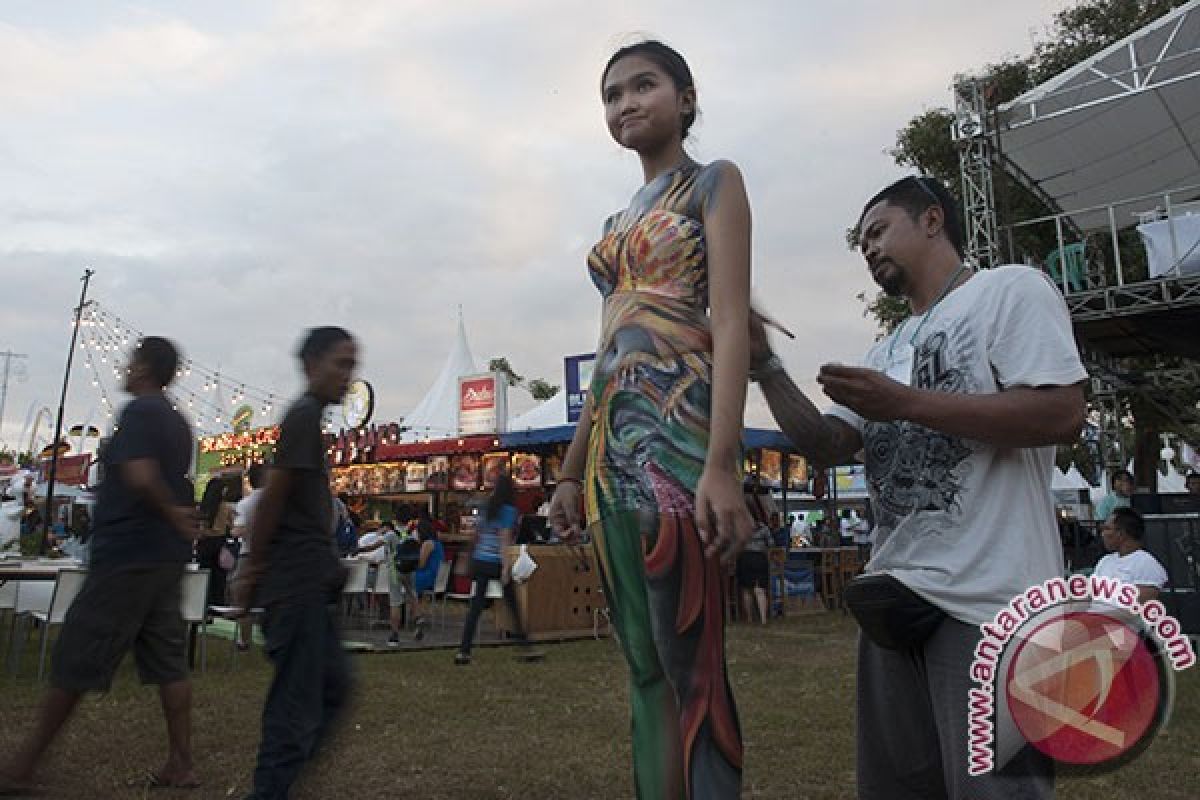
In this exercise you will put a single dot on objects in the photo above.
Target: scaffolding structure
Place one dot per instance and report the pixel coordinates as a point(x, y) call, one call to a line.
point(1115, 135)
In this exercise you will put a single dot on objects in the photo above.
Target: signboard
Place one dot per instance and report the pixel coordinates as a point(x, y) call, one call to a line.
point(72, 470)
point(770, 468)
point(577, 377)
point(482, 404)
point(438, 476)
point(414, 477)
point(242, 418)
point(797, 473)
point(464, 472)
point(358, 404)
point(494, 465)
point(527, 471)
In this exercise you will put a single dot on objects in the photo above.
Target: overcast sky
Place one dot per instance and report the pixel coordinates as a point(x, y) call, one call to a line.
point(235, 172)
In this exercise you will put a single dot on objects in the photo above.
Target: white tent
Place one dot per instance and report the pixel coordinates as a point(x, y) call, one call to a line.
point(1121, 124)
point(436, 415)
point(1171, 482)
point(550, 414)
point(1076, 478)
point(1058, 480)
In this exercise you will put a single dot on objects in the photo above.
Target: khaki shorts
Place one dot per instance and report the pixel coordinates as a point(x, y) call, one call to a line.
point(117, 609)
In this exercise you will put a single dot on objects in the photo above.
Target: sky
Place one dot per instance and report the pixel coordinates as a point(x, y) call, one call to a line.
point(237, 172)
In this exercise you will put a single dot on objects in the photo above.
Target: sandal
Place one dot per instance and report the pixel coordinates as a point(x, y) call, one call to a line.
point(156, 781)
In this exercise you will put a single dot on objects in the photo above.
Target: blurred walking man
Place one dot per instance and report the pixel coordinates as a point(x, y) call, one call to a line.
point(142, 537)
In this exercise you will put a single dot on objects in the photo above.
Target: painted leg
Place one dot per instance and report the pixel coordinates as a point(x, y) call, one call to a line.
point(657, 754)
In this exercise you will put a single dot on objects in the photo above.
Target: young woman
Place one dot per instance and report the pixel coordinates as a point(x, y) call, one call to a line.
point(657, 453)
point(489, 562)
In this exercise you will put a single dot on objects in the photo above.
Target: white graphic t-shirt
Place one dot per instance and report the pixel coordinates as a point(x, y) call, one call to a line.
point(965, 524)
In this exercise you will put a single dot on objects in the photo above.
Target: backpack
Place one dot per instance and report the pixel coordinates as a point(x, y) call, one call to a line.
point(407, 555)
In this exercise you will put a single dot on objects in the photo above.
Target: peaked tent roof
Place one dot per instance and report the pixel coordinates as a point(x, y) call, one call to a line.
point(437, 414)
point(1119, 125)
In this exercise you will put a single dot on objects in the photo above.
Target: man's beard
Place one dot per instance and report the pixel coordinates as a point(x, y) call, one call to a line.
point(892, 284)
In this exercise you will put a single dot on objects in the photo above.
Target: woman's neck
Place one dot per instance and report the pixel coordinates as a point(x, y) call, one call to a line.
point(663, 160)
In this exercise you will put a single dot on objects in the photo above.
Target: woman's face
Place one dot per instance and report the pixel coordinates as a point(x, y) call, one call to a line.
point(642, 107)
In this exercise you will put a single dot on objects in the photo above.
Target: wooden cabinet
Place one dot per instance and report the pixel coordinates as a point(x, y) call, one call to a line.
point(562, 596)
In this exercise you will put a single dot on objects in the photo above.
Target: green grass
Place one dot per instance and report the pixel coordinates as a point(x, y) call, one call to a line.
point(422, 728)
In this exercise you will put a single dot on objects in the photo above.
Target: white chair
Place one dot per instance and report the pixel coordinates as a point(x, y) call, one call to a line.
point(382, 586)
point(447, 596)
point(439, 587)
point(234, 614)
point(193, 607)
point(494, 592)
point(356, 580)
point(65, 587)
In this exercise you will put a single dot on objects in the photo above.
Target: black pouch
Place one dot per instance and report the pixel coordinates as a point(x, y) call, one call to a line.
point(889, 613)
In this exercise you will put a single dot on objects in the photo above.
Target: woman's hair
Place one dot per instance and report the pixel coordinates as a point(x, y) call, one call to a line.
point(669, 61)
point(425, 529)
point(319, 341)
point(503, 495)
point(210, 502)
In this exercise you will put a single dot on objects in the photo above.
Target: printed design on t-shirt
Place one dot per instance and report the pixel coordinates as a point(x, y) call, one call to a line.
point(912, 468)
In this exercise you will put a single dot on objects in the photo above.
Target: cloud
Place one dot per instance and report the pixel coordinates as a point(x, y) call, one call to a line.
point(236, 172)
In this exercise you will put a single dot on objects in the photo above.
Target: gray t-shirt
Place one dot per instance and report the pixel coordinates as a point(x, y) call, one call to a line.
point(965, 524)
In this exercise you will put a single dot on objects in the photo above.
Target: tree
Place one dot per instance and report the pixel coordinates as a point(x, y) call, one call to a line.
point(538, 388)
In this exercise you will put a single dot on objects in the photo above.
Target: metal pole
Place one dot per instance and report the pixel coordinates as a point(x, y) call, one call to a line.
point(62, 402)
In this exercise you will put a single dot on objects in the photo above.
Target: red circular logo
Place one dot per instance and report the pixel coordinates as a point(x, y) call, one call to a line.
point(1085, 688)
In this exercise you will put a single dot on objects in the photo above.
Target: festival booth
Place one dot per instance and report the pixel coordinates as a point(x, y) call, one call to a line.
point(228, 455)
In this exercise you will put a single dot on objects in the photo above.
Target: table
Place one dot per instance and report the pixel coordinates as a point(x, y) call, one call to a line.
point(1156, 236)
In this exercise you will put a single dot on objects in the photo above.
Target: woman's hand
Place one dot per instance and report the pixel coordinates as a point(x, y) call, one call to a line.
point(565, 516)
point(722, 520)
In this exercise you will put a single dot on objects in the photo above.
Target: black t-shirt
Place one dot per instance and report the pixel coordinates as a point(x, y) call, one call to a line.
point(302, 558)
point(127, 530)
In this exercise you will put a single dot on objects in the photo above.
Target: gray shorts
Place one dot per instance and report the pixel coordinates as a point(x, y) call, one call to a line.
point(117, 609)
point(400, 583)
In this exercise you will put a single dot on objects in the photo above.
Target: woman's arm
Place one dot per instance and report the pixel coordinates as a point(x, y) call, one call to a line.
point(721, 514)
point(426, 552)
point(564, 516)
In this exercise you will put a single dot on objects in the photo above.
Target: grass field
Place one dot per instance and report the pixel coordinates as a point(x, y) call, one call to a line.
point(422, 728)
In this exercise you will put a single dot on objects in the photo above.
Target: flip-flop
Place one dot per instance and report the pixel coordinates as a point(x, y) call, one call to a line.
point(156, 781)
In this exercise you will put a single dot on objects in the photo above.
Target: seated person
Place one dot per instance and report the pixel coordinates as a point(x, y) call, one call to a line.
point(1126, 560)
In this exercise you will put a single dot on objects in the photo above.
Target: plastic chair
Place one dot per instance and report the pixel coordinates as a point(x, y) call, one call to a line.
point(447, 596)
point(234, 614)
point(356, 580)
point(381, 586)
point(1076, 266)
point(66, 586)
point(193, 607)
point(440, 582)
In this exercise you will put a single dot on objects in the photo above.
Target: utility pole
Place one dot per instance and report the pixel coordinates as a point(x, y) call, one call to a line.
point(8, 356)
point(62, 402)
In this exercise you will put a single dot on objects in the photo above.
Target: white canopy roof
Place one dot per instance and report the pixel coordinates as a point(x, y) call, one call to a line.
point(437, 414)
point(1123, 123)
point(550, 414)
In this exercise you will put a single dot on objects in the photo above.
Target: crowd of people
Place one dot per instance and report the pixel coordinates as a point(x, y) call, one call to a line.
point(957, 413)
